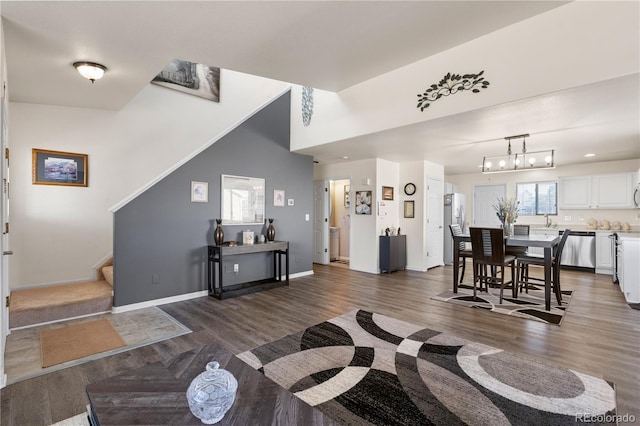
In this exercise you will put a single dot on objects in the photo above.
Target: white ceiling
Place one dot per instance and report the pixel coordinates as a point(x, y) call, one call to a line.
point(329, 45)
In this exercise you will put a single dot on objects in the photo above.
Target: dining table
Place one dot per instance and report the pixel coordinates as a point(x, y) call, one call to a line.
point(547, 242)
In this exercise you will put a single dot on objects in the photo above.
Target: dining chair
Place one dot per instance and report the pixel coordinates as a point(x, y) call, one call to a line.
point(464, 253)
point(518, 250)
point(487, 246)
point(525, 261)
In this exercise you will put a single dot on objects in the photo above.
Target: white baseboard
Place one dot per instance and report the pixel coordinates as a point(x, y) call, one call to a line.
point(53, 283)
point(413, 268)
point(299, 274)
point(156, 302)
point(181, 297)
point(3, 382)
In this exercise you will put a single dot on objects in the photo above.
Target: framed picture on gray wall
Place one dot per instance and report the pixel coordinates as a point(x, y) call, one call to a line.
point(199, 192)
point(59, 168)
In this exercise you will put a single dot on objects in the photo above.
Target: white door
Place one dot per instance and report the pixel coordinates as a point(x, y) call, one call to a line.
point(484, 198)
point(435, 205)
point(321, 222)
point(4, 241)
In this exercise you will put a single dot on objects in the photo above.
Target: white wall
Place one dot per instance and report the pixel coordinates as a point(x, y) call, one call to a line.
point(466, 182)
point(366, 229)
point(59, 232)
point(341, 215)
point(578, 43)
point(364, 236)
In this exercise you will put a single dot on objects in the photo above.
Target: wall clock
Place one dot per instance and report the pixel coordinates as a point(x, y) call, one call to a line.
point(409, 189)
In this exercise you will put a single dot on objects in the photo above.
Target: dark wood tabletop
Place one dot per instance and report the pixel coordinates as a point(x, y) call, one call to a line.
point(156, 394)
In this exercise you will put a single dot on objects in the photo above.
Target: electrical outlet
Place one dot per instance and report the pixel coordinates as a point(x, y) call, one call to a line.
point(155, 279)
point(236, 268)
point(581, 218)
point(567, 218)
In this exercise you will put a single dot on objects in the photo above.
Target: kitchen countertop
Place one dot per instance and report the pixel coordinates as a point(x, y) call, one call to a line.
point(634, 229)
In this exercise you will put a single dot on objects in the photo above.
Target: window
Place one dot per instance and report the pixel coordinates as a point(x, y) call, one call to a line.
point(537, 198)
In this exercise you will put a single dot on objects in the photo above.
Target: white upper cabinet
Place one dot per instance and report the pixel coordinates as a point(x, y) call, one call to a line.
point(612, 191)
point(574, 192)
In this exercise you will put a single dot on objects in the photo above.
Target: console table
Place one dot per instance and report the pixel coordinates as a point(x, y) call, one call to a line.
point(155, 394)
point(216, 254)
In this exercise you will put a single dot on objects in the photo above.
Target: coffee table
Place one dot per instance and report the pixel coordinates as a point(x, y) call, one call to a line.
point(156, 394)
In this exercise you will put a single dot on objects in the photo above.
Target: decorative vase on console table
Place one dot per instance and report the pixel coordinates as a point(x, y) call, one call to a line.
point(218, 234)
point(271, 231)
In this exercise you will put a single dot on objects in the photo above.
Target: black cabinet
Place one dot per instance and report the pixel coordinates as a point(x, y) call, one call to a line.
point(393, 253)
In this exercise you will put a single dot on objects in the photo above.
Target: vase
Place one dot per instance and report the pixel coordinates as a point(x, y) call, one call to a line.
point(218, 234)
point(507, 229)
point(271, 231)
point(212, 393)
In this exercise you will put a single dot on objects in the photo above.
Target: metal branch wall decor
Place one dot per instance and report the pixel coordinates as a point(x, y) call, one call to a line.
point(307, 105)
point(452, 84)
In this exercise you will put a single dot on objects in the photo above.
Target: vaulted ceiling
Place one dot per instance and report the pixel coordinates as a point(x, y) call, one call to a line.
point(324, 44)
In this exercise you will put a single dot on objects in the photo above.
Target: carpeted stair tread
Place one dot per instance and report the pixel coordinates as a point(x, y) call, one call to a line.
point(45, 304)
point(107, 271)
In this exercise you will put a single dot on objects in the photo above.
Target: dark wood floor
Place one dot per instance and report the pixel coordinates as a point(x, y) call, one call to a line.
point(600, 334)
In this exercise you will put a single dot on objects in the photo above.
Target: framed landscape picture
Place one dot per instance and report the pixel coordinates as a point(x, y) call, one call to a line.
point(59, 168)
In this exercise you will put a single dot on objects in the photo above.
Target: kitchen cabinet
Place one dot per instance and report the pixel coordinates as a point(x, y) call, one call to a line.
point(574, 192)
point(604, 254)
point(541, 231)
point(611, 191)
point(629, 267)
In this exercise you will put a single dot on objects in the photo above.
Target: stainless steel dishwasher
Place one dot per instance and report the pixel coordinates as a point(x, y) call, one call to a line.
point(579, 251)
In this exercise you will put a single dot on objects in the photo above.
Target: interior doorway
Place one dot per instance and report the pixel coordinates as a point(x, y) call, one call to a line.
point(339, 221)
point(484, 197)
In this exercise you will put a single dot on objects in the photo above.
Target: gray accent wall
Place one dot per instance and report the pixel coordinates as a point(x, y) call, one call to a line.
point(160, 238)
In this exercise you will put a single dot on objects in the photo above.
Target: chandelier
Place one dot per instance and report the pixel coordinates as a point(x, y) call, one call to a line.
point(513, 162)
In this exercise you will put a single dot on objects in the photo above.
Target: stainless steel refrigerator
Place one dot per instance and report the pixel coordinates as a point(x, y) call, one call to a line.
point(454, 213)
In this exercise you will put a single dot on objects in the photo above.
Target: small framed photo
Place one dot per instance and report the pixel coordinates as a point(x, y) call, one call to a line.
point(347, 196)
point(291, 202)
point(278, 197)
point(59, 168)
point(409, 209)
point(387, 192)
point(199, 192)
point(363, 202)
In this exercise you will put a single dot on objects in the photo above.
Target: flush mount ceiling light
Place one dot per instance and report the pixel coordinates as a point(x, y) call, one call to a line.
point(90, 70)
point(519, 161)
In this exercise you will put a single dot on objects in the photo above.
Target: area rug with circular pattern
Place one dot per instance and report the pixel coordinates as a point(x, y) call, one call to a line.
point(367, 368)
point(527, 305)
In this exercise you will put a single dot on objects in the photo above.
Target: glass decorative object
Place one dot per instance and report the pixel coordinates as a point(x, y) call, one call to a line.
point(212, 393)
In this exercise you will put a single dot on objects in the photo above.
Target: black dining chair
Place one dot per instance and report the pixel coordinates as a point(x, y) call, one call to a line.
point(487, 246)
point(524, 261)
point(464, 253)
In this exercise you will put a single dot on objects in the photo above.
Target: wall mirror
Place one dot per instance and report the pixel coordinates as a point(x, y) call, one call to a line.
point(242, 200)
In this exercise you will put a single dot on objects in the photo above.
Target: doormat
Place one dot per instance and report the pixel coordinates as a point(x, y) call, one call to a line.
point(78, 341)
point(362, 368)
point(527, 305)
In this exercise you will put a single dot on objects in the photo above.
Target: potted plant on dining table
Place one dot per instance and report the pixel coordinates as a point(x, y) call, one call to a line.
point(507, 211)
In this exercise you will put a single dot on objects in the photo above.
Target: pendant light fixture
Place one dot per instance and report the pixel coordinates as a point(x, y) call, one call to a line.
point(90, 70)
point(519, 161)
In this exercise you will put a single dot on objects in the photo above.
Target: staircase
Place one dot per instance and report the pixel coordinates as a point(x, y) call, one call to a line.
point(34, 306)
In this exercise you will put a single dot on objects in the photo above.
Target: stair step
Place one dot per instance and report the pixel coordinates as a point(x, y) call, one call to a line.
point(54, 303)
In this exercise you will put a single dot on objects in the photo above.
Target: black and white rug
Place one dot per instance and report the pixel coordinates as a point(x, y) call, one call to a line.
point(527, 305)
point(366, 368)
